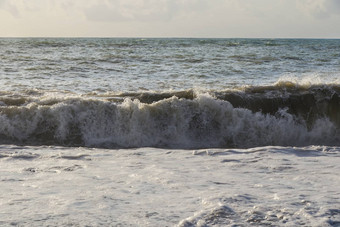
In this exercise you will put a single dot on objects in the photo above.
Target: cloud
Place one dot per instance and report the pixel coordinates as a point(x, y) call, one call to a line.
point(168, 18)
point(9, 7)
point(125, 11)
point(320, 9)
point(142, 10)
point(333, 6)
point(102, 12)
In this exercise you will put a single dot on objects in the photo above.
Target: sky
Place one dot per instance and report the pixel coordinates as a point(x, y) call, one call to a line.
point(171, 18)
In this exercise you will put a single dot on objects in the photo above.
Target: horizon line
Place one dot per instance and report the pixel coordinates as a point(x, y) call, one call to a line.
point(154, 37)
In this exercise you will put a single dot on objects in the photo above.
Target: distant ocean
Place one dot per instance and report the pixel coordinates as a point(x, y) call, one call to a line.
point(169, 132)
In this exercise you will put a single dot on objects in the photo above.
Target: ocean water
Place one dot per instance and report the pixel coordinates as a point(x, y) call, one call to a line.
point(169, 132)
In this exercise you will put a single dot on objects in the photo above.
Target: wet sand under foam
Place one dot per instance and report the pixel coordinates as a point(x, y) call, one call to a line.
point(157, 187)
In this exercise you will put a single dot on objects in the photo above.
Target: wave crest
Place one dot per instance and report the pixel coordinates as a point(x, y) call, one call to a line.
point(241, 119)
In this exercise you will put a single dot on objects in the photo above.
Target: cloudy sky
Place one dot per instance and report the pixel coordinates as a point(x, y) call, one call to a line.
point(170, 18)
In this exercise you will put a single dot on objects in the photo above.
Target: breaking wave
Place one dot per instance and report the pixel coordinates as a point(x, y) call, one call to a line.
point(284, 114)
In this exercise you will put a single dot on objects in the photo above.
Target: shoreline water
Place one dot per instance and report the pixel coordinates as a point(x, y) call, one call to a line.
point(150, 187)
point(67, 105)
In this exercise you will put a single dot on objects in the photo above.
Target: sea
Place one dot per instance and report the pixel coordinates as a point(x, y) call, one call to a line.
point(169, 132)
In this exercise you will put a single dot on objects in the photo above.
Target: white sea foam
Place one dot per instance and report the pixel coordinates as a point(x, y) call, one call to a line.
point(177, 123)
point(154, 187)
point(169, 93)
point(309, 79)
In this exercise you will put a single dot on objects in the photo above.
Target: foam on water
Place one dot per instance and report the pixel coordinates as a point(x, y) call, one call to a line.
point(68, 98)
point(155, 187)
point(281, 114)
point(309, 79)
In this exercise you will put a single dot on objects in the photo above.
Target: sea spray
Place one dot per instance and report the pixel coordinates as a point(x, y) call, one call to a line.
point(201, 122)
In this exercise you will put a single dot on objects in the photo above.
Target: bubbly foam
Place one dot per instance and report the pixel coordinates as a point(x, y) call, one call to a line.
point(237, 119)
point(307, 80)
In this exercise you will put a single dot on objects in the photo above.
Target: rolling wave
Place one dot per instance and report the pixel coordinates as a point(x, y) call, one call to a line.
point(284, 114)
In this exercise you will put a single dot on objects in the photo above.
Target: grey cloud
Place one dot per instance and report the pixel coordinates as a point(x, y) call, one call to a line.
point(2, 2)
point(103, 13)
point(333, 6)
point(322, 9)
point(9, 7)
point(143, 10)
